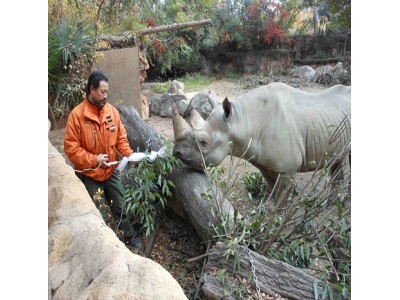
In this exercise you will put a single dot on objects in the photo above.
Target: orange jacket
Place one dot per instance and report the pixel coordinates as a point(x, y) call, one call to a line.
point(91, 131)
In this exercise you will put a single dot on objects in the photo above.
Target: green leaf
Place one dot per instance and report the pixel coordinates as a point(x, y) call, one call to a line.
point(308, 251)
point(330, 291)
point(325, 292)
point(316, 289)
point(171, 183)
point(339, 208)
point(302, 252)
point(223, 185)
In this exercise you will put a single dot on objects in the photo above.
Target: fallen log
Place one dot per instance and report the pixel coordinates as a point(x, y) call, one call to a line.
point(190, 186)
point(273, 276)
point(190, 189)
point(138, 131)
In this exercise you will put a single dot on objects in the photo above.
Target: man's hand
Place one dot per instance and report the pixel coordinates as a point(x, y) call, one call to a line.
point(152, 156)
point(162, 152)
point(102, 160)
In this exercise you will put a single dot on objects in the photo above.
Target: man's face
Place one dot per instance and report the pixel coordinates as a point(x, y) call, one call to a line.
point(99, 95)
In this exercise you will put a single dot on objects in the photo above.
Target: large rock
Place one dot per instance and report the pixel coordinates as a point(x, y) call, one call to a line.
point(303, 72)
point(163, 105)
point(86, 260)
point(176, 88)
point(329, 75)
point(202, 102)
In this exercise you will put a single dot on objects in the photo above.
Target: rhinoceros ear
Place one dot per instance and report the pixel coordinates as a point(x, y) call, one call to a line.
point(178, 122)
point(196, 121)
point(227, 107)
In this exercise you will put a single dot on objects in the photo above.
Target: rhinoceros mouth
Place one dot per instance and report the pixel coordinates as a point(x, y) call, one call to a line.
point(197, 168)
point(193, 165)
point(188, 161)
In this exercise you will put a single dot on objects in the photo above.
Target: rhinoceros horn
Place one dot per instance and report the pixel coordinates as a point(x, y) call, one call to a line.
point(178, 122)
point(196, 121)
point(211, 99)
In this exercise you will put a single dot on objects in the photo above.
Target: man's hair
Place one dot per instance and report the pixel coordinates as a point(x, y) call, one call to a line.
point(94, 79)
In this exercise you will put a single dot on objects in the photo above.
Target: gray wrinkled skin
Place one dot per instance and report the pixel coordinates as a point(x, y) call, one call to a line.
point(285, 130)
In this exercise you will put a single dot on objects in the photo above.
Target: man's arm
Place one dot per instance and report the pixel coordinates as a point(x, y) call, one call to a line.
point(81, 158)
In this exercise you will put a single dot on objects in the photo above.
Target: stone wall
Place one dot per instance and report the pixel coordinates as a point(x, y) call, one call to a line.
point(85, 258)
point(276, 61)
point(321, 46)
point(268, 62)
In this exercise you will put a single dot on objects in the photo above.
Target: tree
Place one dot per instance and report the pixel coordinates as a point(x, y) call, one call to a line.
point(174, 53)
point(328, 15)
point(252, 24)
point(340, 11)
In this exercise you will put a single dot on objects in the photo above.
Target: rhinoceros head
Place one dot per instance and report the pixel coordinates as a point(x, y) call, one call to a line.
point(198, 139)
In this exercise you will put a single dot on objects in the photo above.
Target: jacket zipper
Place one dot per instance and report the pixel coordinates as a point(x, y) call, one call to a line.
point(94, 136)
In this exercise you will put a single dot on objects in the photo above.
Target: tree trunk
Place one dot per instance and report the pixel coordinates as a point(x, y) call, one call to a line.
point(173, 27)
point(188, 200)
point(273, 276)
point(129, 39)
point(138, 131)
point(191, 186)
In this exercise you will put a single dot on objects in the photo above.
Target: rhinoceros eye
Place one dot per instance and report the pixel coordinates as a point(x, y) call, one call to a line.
point(203, 143)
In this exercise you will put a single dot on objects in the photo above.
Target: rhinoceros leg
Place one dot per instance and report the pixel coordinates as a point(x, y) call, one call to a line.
point(337, 182)
point(269, 179)
point(281, 188)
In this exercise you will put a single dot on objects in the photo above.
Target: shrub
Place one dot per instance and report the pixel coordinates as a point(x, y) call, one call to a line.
point(255, 185)
point(70, 58)
point(148, 189)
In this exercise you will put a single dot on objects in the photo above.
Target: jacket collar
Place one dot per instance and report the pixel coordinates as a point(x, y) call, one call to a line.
point(95, 113)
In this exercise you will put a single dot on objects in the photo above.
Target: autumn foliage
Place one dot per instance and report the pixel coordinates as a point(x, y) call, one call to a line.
point(264, 21)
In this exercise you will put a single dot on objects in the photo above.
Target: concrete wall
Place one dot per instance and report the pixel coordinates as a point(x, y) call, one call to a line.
point(122, 68)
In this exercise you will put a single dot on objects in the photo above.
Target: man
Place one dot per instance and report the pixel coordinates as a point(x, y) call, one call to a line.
point(94, 138)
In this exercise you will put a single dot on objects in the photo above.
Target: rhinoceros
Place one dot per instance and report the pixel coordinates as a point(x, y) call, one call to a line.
point(277, 128)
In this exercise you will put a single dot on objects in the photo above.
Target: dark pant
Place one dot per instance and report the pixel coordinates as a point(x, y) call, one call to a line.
point(111, 191)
